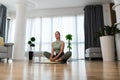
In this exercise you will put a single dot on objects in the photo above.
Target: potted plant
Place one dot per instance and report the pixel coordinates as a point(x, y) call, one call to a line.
point(106, 35)
point(117, 41)
point(31, 43)
point(69, 38)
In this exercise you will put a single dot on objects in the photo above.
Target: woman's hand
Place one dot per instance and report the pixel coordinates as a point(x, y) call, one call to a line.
point(52, 53)
point(52, 59)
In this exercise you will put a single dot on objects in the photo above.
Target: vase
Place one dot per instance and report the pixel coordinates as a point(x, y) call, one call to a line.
point(30, 55)
point(117, 41)
point(108, 48)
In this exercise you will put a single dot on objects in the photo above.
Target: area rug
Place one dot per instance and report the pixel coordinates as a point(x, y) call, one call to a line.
point(71, 60)
point(49, 62)
point(46, 62)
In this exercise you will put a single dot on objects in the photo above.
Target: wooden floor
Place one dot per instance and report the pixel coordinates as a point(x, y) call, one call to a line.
point(75, 70)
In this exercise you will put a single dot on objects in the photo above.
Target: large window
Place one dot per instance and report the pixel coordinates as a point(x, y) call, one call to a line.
point(43, 30)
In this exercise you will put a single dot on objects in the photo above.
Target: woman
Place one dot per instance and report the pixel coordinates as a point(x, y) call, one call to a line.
point(58, 49)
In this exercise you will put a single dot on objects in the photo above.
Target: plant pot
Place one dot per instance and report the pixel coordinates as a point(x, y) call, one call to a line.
point(30, 55)
point(117, 40)
point(108, 48)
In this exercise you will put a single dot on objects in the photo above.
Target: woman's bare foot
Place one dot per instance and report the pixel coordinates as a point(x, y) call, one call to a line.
point(59, 60)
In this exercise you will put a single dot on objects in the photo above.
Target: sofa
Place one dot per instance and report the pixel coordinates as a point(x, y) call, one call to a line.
point(93, 52)
point(6, 49)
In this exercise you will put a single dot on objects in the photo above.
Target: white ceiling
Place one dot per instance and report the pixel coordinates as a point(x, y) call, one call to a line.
point(46, 4)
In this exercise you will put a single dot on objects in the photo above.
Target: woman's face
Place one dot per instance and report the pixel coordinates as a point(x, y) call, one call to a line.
point(57, 35)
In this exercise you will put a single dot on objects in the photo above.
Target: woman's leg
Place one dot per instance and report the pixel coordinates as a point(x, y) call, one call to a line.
point(65, 57)
point(47, 54)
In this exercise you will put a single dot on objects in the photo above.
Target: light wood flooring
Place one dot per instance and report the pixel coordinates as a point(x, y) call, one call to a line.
point(75, 70)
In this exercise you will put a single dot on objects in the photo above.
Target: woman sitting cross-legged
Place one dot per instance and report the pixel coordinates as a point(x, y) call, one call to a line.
point(58, 49)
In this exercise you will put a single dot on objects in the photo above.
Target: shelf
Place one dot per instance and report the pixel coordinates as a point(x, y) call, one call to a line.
point(117, 23)
point(115, 6)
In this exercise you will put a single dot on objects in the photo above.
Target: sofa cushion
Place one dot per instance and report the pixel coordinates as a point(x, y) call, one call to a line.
point(93, 50)
point(3, 49)
point(1, 41)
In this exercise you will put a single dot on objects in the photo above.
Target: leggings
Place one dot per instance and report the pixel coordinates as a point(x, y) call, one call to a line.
point(63, 56)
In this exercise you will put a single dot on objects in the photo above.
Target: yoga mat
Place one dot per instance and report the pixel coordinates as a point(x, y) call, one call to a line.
point(47, 62)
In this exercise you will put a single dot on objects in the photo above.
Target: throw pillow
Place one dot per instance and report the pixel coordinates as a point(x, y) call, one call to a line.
point(1, 41)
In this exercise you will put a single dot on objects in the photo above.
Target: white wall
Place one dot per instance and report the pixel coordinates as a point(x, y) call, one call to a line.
point(52, 12)
point(57, 12)
point(66, 12)
point(106, 14)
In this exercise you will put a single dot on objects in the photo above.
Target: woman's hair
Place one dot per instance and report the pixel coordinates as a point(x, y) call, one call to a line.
point(57, 32)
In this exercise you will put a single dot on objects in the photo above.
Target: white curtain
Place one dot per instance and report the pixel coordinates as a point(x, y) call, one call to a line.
point(43, 30)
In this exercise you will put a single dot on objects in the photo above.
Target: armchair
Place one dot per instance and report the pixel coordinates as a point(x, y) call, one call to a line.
point(6, 51)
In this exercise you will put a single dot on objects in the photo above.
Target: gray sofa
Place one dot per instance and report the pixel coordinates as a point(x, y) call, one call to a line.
point(6, 51)
point(93, 52)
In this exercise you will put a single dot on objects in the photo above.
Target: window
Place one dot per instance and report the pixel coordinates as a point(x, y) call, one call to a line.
point(43, 30)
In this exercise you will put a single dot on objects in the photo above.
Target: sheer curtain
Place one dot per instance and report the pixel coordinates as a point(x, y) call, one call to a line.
point(43, 29)
point(33, 29)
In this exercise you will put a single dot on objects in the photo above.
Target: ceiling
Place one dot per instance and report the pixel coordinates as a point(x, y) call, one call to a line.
point(46, 4)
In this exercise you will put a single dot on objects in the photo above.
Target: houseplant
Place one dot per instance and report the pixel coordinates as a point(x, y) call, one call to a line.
point(106, 35)
point(69, 38)
point(108, 30)
point(31, 44)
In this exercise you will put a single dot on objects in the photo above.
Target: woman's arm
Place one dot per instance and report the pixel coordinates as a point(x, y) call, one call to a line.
point(61, 50)
point(52, 52)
